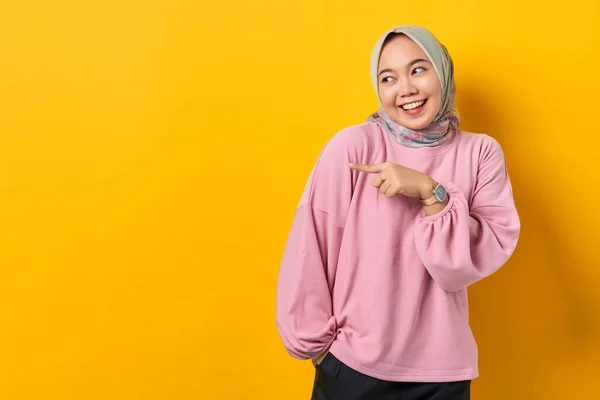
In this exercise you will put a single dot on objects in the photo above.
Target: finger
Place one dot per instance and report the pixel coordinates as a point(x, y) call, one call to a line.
point(370, 168)
point(392, 192)
point(378, 181)
point(384, 187)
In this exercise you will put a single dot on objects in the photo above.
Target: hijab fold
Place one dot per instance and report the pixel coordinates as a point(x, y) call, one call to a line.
point(446, 122)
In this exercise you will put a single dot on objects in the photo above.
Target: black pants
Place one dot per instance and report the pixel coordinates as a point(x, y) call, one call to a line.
point(336, 381)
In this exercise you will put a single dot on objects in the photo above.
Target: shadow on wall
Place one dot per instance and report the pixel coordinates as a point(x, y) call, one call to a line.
point(532, 317)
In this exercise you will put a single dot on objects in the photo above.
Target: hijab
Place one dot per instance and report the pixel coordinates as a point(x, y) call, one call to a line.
point(446, 122)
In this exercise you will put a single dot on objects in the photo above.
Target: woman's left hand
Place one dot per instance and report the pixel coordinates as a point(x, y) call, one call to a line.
point(393, 179)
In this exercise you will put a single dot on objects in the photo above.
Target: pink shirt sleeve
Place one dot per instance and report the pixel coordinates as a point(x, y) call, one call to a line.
point(466, 243)
point(304, 314)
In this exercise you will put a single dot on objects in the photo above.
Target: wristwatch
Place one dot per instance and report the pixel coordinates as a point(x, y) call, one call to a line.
point(439, 195)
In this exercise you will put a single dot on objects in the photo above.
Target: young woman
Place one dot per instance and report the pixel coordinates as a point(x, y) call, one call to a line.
point(399, 216)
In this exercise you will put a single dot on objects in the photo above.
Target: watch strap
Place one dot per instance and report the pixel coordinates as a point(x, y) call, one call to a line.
point(429, 201)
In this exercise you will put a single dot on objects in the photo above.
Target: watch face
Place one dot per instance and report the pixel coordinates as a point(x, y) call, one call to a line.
point(440, 192)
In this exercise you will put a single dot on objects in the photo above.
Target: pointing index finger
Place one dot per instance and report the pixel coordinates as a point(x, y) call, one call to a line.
point(370, 168)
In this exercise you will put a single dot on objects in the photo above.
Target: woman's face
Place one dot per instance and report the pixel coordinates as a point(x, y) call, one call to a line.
point(409, 87)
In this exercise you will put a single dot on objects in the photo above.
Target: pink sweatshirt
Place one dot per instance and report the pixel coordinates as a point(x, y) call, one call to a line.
point(379, 281)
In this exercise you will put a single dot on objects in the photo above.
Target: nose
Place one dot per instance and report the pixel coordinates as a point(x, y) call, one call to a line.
point(406, 87)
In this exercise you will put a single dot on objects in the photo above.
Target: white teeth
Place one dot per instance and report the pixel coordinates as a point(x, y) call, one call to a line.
point(416, 104)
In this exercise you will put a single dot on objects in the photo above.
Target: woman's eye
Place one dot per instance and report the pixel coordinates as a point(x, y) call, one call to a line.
point(387, 79)
point(418, 69)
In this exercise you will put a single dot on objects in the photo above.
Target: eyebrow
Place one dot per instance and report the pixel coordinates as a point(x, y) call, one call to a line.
point(410, 64)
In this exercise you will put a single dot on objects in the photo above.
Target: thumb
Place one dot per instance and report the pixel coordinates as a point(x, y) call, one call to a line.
point(370, 168)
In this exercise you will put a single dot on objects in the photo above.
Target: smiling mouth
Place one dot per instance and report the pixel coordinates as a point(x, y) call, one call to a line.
point(414, 105)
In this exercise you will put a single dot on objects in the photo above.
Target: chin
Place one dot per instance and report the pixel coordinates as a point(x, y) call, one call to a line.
point(415, 123)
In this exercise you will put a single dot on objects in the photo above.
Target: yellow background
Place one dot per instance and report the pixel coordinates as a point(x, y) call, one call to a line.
point(152, 154)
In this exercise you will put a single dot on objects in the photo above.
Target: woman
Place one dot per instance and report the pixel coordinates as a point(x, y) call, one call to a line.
point(399, 216)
